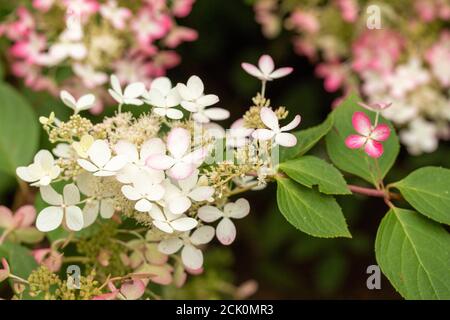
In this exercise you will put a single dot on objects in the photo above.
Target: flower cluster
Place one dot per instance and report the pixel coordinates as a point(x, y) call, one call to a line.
point(93, 38)
point(173, 170)
point(383, 51)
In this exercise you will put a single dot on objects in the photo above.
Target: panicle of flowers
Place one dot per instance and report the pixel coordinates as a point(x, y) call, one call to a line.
point(381, 50)
point(173, 170)
point(135, 41)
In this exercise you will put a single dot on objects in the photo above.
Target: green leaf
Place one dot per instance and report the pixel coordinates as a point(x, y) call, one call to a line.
point(310, 211)
point(414, 253)
point(358, 162)
point(20, 259)
point(306, 139)
point(19, 132)
point(310, 171)
point(428, 191)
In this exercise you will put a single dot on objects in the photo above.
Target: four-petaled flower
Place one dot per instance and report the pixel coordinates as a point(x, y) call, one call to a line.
point(101, 163)
point(143, 191)
point(169, 222)
point(63, 206)
point(181, 163)
point(266, 69)
point(83, 103)
point(131, 93)
point(269, 118)
point(164, 98)
point(42, 171)
point(368, 137)
point(225, 231)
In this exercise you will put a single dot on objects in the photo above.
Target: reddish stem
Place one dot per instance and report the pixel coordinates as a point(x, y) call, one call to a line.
point(373, 192)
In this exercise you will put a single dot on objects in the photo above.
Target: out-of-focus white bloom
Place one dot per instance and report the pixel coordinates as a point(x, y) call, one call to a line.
point(84, 103)
point(101, 203)
point(131, 93)
point(269, 118)
point(115, 14)
point(143, 191)
point(400, 111)
point(63, 206)
point(164, 98)
point(42, 171)
point(238, 135)
point(90, 77)
point(191, 256)
point(266, 69)
point(407, 77)
point(194, 100)
point(225, 231)
point(169, 222)
point(421, 136)
point(100, 162)
point(181, 163)
point(63, 150)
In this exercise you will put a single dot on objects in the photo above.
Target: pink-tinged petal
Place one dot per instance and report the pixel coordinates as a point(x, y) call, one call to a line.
point(355, 141)
point(269, 118)
point(133, 290)
point(192, 257)
point(361, 123)
point(281, 72)
point(266, 64)
point(252, 70)
point(226, 231)
point(181, 170)
point(6, 218)
point(373, 148)
point(263, 134)
point(381, 132)
point(25, 216)
point(40, 254)
point(293, 124)
point(5, 264)
point(209, 213)
point(196, 157)
point(286, 139)
point(178, 142)
point(159, 162)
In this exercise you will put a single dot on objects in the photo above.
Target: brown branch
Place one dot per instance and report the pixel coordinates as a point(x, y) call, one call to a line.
point(374, 192)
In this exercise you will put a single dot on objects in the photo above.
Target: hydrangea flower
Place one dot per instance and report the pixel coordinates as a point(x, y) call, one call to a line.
point(101, 163)
point(369, 137)
point(164, 98)
point(144, 192)
point(42, 171)
point(168, 222)
point(269, 118)
point(130, 95)
point(225, 230)
point(83, 103)
point(63, 208)
point(265, 71)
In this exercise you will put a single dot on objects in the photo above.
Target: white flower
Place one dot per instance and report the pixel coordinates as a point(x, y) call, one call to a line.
point(178, 200)
point(164, 98)
point(282, 138)
point(136, 160)
point(101, 163)
point(63, 206)
point(91, 78)
point(169, 222)
point(266, 69)
point(421, 136)
point(407, 77)
point(237, 136)
point(225, 231)
point(84, 103)
point(144, 192)
point(42, 171)
point(63, 150)
point(191, 256)
point(194, 100)
point(180, 164)
point(131, 93)
point(100, 203)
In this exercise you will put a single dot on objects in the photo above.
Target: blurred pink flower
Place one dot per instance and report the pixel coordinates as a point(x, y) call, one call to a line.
point(438, 56)
point(334, 74)
point(48, 258)
point(349, 9)
point(181, 8)
point(303, 21)
point(5, 271)
point(178, 35)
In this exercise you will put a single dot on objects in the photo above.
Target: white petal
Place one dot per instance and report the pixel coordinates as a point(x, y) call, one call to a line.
point(163, 226)
point(174, 114)
point(116, 96)
point(178, 142)
point(87, 165)
point(151, 147)
point(74, 218)
point(159, 162)
point(208, 100)
point(252, 70)
point(266, 64)
point(86, 183)
point(189, 106)
point(134, 90)
point(25, 174)
point(50, 196)
point(133, 101)
point(143, 205)
point(68, 99)
point(184, 92)
point(181, 170)
point(195, 86)
point(189, 183)
point(71, 194)
point(107, 208)
point(115, 84)
point(90, 212)
point(170, 246)
point(184, 224)
point(269, 118)
point(116, 163)
point(238, 209)
point(202, 193)
point(85, 102)
point(178, 205)
point(286, 139)
point(156, 214)
point(226, 231)
point(162, 84)
point(201, 117)
point(131, 193)
point(217, 114)
point(49, 219)
point(263, 134)
point(127, 149)
point(281, 72)
point(99, 153)
point(202, 235)
point(209, 213)
point(293, 124)
point(192, 257)
point(44, 159)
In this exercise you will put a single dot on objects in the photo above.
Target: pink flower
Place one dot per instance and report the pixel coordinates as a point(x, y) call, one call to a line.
point(180, 163)
point(19, 226)
point(179, 35)
point(116, 15)
point(181, 8)
point(368, 137)
point(43, 5)
point(49, 258)
point(149, 27)
point(438, 56)
point(304, 21)
point(334, 74)
point(129, 290)
point(23, 26)
point(266, 69)
point(349, 9)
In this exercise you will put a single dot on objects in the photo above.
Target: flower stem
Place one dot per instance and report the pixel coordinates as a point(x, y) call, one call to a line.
point(263, 88)
point(374, 192)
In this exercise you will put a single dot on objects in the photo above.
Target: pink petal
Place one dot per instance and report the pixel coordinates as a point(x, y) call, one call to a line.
point(6, 218)
point(293, 124)
point(361, 123)
point(133, 290)
point(381, 132)
point(266, 64)
point(181, 170)
point(281, 72)
point(373, 148)
point(226, 231)
point(355, 141)
point(196, 157)
point(269, 118)
point(25, 216)
point(286, 139)
point(252, 70)
point(159, 162)
point(178, 142)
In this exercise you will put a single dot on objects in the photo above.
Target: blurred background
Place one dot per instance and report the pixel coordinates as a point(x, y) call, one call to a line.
point(285, 263)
